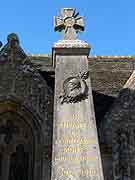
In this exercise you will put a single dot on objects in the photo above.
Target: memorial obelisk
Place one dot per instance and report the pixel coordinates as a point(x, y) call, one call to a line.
point(76, 153)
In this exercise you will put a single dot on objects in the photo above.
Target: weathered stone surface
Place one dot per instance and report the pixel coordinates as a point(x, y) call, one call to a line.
point(71, 157)
point(76, 153)
point(26, 102)
point(69, 22)
point(118, 132)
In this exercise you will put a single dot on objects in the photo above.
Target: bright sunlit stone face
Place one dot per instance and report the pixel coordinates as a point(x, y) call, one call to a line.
point(70, 22)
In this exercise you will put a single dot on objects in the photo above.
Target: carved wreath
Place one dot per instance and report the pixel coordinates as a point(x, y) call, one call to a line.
point(75, 88)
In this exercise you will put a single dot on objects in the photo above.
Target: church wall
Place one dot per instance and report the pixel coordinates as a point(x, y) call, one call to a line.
point(118, 131)
point(30, 91)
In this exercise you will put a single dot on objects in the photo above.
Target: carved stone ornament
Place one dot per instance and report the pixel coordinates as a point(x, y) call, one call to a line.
point(11, 50)
point(69, 21)
point(8, 130)
point(123, 151)
point(75, 89)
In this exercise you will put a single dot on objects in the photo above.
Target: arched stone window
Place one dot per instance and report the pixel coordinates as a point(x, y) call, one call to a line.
point(20, 152)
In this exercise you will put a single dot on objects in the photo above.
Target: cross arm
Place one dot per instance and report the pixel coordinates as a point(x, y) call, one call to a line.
point(58, 24)
point(79, 25)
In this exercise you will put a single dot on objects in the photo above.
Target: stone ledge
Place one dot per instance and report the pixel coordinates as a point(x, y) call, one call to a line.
point(71, 44)
point(48, 57)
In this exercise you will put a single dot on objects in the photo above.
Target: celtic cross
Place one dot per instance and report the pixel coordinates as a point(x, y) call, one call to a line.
point(70, 22)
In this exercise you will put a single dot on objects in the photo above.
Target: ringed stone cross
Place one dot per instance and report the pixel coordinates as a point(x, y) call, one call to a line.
point(70, 22)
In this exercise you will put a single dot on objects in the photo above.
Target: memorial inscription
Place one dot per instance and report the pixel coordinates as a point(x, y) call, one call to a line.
point(72, 145)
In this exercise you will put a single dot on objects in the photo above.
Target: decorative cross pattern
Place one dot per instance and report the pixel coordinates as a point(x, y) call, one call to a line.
point(70, 22)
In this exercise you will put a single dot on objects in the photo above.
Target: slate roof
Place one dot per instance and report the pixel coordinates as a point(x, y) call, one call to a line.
point(108, 73)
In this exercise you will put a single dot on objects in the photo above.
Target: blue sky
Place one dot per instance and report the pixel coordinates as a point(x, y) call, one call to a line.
point(110, 24)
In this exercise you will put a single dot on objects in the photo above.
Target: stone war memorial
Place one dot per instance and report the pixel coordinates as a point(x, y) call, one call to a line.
point(67, 115)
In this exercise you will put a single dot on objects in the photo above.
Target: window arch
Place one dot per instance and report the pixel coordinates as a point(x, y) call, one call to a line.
point(20, 140)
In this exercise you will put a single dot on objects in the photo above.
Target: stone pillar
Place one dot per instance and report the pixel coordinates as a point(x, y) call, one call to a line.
point(76, 153)
point(5, 167)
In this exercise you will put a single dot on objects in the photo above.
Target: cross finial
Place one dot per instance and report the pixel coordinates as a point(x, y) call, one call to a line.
point(70, 22)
